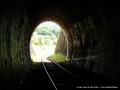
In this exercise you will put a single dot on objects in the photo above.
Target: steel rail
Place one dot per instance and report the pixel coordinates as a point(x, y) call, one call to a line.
point(49, 76)
point(69, 73)
point(65, 69)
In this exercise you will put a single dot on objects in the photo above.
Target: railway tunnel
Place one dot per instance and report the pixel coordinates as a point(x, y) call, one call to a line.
point(91, 28)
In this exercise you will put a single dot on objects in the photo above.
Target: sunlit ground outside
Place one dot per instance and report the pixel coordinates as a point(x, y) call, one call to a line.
point(43, 41)
point(40, 53)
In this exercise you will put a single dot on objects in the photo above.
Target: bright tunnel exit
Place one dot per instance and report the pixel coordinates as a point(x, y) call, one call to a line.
point(43, 40)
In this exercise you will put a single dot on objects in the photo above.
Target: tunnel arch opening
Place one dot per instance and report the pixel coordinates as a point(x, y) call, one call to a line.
point(68, 18)
point(44, 41)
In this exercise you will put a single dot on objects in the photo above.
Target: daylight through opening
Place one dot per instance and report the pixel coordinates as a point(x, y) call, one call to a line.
point(45, 42)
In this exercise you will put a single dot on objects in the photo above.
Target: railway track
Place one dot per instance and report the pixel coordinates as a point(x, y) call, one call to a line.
point(60, 78)
point(49, 75)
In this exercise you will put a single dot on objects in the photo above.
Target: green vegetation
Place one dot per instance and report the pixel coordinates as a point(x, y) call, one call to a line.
point(47, 31)
point(58, 58)
point(45, 36)
point(43, 41)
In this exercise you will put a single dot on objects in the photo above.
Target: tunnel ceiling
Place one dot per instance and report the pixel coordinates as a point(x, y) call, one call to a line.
point(60, 10)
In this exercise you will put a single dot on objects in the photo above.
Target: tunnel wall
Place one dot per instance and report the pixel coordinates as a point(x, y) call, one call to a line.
point(13, 43)
point(95, 47)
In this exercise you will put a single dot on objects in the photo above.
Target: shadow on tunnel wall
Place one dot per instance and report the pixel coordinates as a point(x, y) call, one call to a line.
point(91, 28)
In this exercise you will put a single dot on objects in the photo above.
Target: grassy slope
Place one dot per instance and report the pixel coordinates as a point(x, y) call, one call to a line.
point(58, 58)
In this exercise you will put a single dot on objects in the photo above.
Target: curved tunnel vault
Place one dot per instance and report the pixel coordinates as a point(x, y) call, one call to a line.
point(91, 28)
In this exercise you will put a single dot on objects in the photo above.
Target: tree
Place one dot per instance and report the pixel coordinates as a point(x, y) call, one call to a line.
point(47, 31)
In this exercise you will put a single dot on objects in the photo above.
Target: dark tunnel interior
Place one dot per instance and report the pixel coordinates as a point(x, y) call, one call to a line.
point(91, 28)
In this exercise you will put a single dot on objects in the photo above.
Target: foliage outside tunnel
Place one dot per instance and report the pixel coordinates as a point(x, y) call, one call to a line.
point(44, 40)
point(58, 58)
